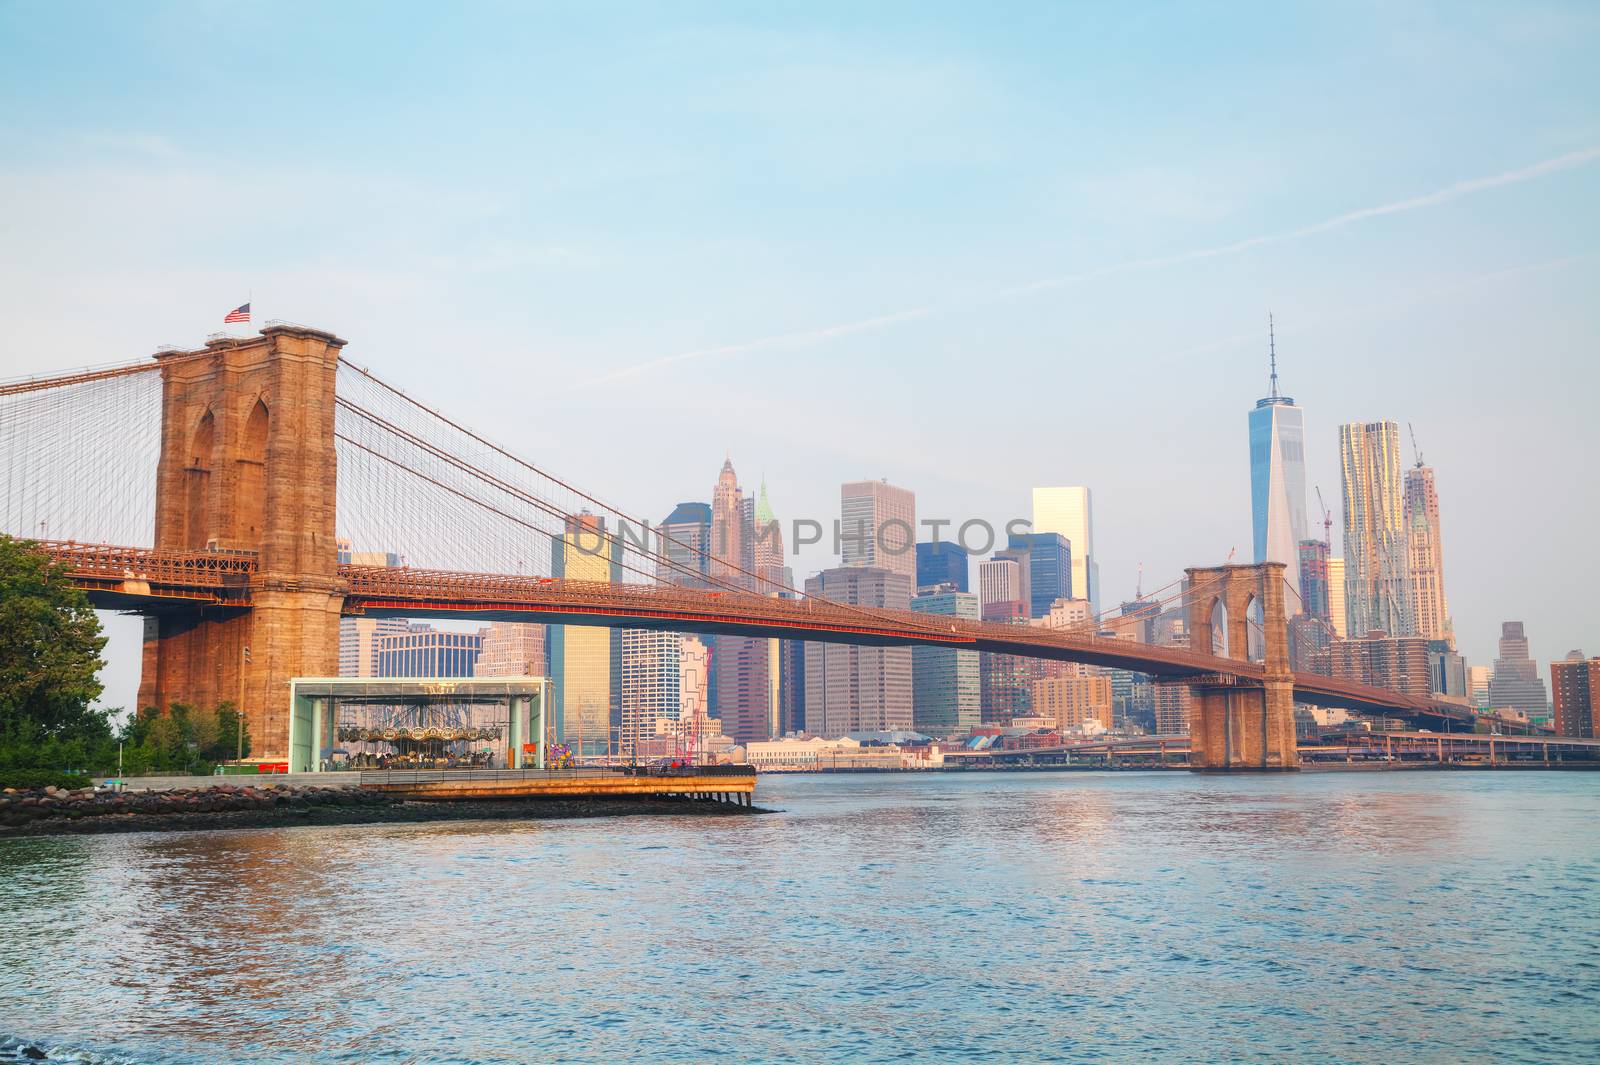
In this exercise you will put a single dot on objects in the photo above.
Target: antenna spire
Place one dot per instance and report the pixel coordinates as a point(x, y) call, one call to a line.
point(1272, 350)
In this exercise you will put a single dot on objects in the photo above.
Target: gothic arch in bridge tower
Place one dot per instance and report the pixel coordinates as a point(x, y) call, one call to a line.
point(1255, 619)
point(251, 509)
point(197, 478)
point(1217, 627)
point(1240, 723)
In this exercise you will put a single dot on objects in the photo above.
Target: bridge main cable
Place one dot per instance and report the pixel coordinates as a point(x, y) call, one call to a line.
point(24, 385)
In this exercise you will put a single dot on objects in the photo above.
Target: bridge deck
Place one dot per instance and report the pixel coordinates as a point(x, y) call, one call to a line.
point(145, 580)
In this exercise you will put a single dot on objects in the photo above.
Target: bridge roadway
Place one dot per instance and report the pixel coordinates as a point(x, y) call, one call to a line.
point(398, 592)
point(144, 580)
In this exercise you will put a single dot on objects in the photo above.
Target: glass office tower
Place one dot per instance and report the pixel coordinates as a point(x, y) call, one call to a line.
point(1278, 479)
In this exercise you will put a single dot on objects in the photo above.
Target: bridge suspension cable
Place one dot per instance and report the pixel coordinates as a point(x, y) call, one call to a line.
point(78, 458)
point(604, 507)
point(404, 465)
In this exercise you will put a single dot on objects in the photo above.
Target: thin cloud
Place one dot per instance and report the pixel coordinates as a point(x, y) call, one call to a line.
point(782, 340)
point(1339, 221)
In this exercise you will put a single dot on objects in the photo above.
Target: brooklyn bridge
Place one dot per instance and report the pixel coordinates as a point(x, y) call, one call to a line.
point(207, 490)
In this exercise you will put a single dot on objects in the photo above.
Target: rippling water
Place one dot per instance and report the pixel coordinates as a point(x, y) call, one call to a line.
point(1083, 917)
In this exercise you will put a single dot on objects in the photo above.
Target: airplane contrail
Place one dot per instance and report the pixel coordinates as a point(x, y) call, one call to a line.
point(1431, 199)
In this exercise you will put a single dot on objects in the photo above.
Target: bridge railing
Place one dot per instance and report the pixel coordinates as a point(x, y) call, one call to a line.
point(193, 569)
point(404, 584)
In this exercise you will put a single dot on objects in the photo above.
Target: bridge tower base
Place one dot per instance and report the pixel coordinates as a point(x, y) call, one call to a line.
point(247, 465)
point(1240, 726)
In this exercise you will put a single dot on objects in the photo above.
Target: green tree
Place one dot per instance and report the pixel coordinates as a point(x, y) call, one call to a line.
point(233, 735)
point(50, 646)
point(181, 739)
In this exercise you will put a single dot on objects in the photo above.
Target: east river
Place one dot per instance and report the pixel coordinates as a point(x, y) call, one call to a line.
point(1373, 917)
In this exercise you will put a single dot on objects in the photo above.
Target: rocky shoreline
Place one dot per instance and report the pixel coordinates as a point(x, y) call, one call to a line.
point(58, 811)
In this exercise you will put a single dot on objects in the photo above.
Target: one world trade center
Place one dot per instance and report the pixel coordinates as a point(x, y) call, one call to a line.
point(1278, 477)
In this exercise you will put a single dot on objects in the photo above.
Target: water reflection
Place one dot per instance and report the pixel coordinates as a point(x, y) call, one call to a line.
point(1002, 916)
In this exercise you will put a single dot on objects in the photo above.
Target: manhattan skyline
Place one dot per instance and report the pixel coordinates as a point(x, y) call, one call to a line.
point(669, 530)
point(1057, 306)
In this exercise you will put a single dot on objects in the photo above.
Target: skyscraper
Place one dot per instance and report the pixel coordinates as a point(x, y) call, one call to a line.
point(1478, 685)
point(783, 656)
point(1145, 611)
point(1070, 512)
point(1173, 708)
point(1515, 683)
point(511, 649)
point(946, 685)
point(1074, 699)
point(1399, 663)
point(1575, 687)
point(1430, 613)
point(1314, 579)
point(792, 687)
point(878, 527)
point(652, 685)
point(1277, 474)
point(727, 529)
point(1376, 579)
point(694, 680)
point(999, 581)
point(942, 562)
point(1338, 616)
point(1006, 687)
point(1067, 614)
point(686, 543)
point(1174, 703)
point(585, 662)
point(851, 688)
point(1045, 564)
point(766, 546)
point(423, 651)
point(1003, 679)
point(358, 643)
point(1310, 626)
point(744, 669)
point(1449, 670)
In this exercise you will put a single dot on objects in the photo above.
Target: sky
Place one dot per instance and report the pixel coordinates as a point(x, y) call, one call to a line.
point(970, 250)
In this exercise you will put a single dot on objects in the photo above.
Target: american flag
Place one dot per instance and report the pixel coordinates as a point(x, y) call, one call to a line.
point(238, 314)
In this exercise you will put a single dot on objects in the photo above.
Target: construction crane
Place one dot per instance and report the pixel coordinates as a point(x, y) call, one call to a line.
point(1415, 450)
point(1327, 521)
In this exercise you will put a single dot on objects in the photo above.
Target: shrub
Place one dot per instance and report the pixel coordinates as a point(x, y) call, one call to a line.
point(32, 779)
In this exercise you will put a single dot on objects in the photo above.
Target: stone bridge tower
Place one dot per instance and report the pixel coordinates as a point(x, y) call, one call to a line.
point(1242, 725)
point(247, 465)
